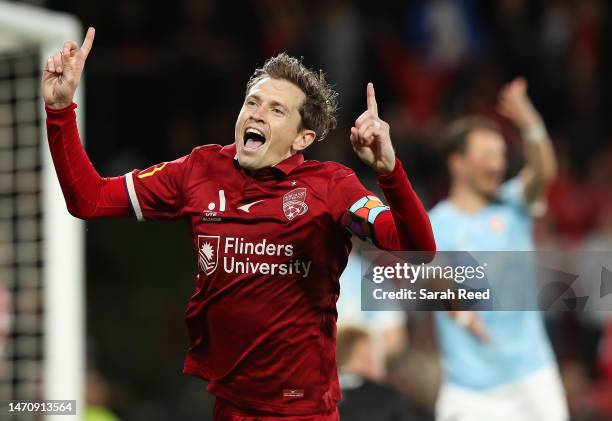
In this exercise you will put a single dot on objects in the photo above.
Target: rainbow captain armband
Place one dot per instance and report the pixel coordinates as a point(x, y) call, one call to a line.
point(361, 216)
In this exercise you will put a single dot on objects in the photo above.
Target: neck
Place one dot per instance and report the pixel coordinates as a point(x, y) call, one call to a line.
point(287, 155)
point(466, 198)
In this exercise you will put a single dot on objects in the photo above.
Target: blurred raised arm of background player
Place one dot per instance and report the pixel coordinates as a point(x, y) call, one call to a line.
point(541, 166)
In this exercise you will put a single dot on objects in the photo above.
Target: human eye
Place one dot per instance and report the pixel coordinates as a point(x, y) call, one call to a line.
point(278, 111)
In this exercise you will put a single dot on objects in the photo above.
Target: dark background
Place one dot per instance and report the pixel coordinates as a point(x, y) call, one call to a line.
point(164, 77)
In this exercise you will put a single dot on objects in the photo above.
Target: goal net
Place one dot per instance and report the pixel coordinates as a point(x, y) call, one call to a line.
point(41, 245)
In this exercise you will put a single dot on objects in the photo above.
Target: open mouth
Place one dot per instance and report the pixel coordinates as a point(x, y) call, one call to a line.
point(253, 138)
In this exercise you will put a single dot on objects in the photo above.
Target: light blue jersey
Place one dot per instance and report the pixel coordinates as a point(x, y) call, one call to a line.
point(519, 345)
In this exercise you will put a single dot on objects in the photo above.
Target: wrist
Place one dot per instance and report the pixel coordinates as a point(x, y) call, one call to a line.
point(390, 177)
point(387, 169)
point(535, 132)
point(56, 109)
point(60, 115)
point(59, 105)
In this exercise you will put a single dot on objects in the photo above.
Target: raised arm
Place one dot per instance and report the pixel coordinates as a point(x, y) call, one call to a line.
point(541, 165)
point(406, 226)
point(87, 195)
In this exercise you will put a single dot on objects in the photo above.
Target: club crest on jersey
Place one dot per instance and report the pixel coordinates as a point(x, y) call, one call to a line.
point(208, 253)
point(294, 203)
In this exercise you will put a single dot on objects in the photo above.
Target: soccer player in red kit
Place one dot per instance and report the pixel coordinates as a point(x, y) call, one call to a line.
point(271, 231)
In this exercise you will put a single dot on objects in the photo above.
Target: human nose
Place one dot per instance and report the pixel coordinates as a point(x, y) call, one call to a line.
point(258, 114)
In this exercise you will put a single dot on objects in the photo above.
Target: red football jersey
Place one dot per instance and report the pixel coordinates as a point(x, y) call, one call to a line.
point(270, 246)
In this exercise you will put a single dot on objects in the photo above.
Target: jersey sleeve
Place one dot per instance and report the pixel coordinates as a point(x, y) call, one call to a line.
point(157, 193)
point(403, 225)
point(88, 196)
point(354, 207)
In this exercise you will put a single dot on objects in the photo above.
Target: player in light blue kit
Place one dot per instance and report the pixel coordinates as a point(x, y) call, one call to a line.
point(498, 365)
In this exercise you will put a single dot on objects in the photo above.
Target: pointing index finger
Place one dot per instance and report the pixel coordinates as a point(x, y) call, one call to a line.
point(372, 106)
point(88, 41)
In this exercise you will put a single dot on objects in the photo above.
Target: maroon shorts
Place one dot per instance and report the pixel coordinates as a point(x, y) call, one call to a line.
point(225, 411)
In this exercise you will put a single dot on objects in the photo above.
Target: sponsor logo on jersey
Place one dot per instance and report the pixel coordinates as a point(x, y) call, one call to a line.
point(208, 216)
point(241, 256)
point(211, 215)
point(294, 203)
point(246, 208)
point(208, 253)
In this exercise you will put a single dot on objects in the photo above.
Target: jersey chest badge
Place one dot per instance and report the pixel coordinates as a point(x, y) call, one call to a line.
point(208, 253)
point(294, 203)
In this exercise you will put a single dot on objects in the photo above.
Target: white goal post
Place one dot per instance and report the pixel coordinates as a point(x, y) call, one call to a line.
point(63, 236)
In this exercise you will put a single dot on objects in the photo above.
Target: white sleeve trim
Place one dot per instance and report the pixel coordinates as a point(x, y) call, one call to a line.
point(129, 182)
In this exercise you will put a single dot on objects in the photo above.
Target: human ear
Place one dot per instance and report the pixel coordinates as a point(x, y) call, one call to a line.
point(304, 140)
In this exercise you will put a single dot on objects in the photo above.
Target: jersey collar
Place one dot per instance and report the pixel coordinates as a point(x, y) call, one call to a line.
point(285, 166)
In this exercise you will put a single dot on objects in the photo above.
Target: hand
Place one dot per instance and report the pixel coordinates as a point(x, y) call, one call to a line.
point(472, 322)
point(63, 72)
point(370, 137)
point(515, 105)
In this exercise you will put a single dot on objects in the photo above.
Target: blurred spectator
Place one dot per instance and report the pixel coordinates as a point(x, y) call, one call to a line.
point(339, 48)
point(364, 399)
